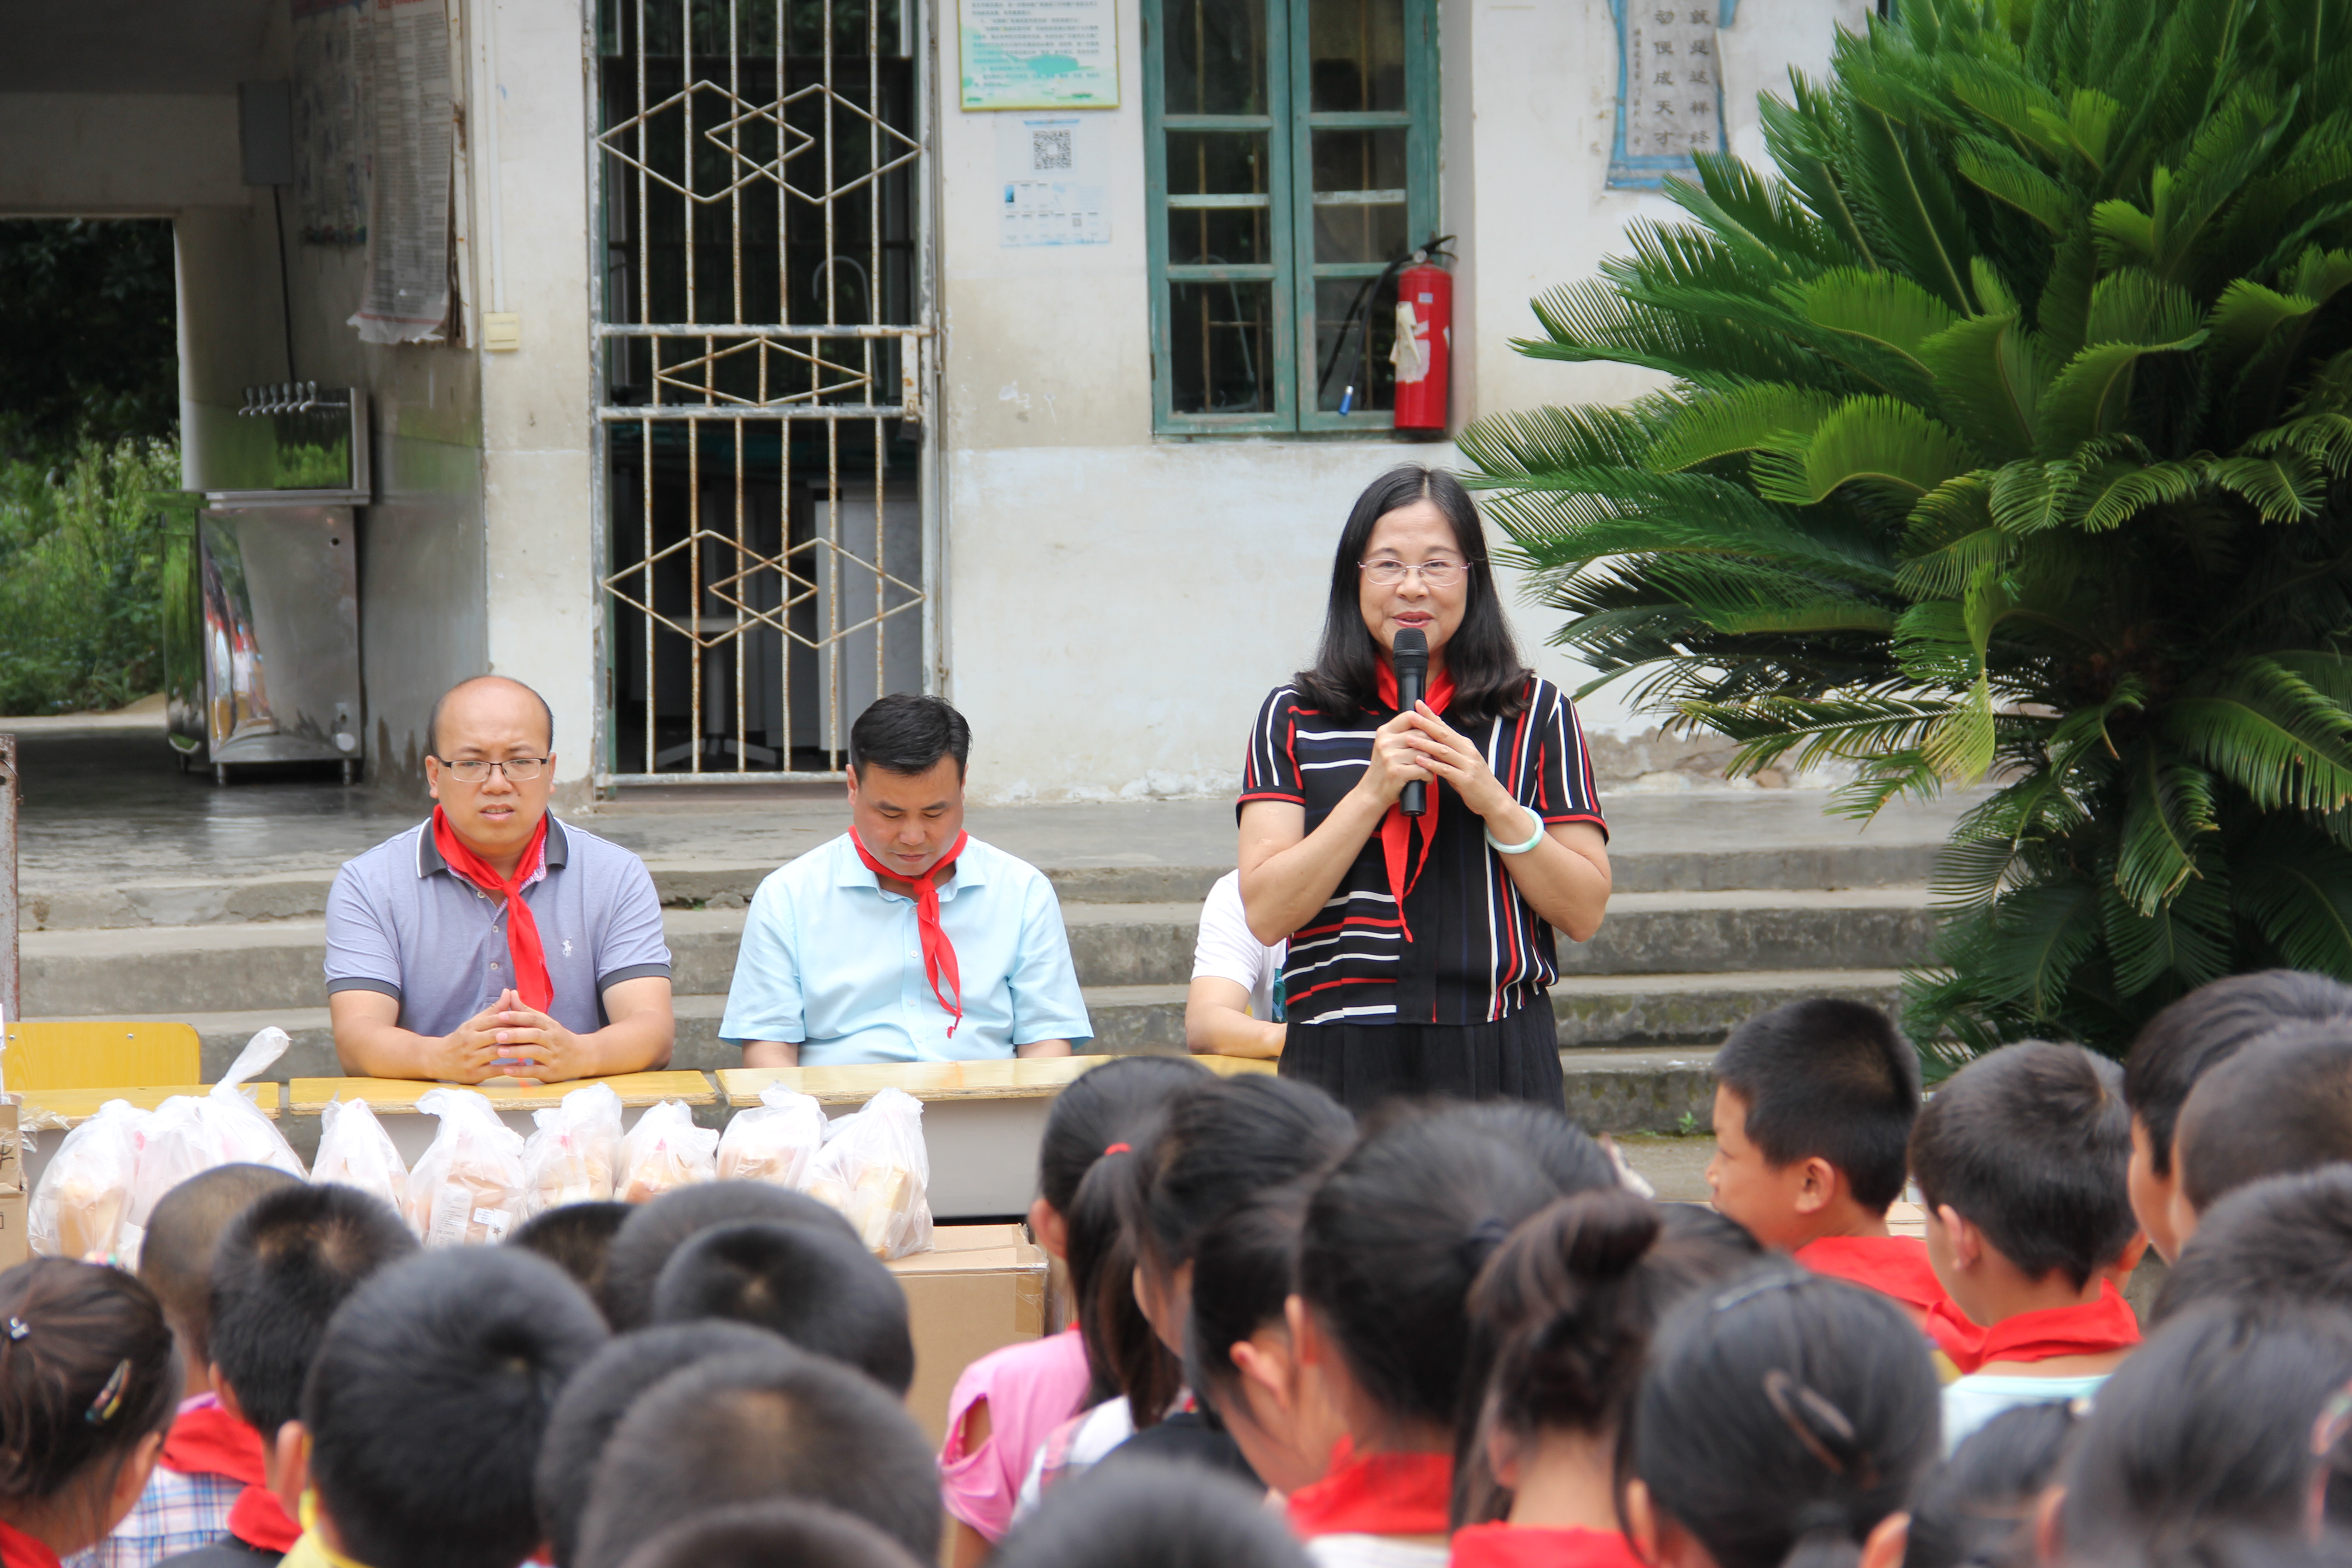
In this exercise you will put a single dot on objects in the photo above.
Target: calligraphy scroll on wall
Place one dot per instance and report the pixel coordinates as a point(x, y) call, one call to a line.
point(1669, 87)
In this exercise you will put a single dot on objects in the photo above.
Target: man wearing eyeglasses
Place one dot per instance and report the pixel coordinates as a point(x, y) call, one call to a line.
point(493, 940)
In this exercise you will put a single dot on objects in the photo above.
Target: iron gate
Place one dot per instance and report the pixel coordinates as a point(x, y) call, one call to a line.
point(762, 307)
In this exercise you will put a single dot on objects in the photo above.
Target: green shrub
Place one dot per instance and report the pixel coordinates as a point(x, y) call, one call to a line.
point(80, 589)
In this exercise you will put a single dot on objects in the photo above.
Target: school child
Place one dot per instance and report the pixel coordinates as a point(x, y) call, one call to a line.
point(2230, 1416)
point(1005, 1403)
point(2282, 1104)
point(279, 1271)
point(1393, 1237)
point(1977, 1509)
point(764, 1535)
point(1136, 1512)
point(1239, 1360)
point(2019, 1160)
point(89, 1382)
point(582, 1421)
point(422, 1414)
point(1813, 1105)
point(809, 1284)
point(1562, 1318)
point(2184, 1041)
point(2285, 1239)
point(209, 1454)
point(576, 1238)
point(1782, 1419)
point(778, 1424)
point(653, 1231)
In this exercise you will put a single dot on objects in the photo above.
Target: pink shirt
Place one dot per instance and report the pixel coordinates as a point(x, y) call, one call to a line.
point(1030, 1388)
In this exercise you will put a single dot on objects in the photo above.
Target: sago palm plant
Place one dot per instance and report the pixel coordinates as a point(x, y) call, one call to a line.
point(2009, 436)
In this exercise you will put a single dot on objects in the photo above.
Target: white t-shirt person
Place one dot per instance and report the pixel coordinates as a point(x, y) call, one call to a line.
point(1232, 1007)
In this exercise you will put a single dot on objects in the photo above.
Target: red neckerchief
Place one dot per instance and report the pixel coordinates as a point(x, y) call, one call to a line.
point(18, 1550)
point(939, 952)
point(212, 1442)
point(2103, 1325)
point(1379, 1494)
point(1893, 1265)
point(531, 981)
point(1396, 828)
point(260, 1520)
point(1502, 1545)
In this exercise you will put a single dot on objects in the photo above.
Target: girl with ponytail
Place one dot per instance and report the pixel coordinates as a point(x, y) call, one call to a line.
point(1560, 1321)
point(89, 1384)
point(1781, 1423)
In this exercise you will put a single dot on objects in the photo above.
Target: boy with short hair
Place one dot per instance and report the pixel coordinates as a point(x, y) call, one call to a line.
point(209, 1456)
point(423, 1413)
point(780, 1423)
point(2282, 1105)
point(279, 1272)
point(2020, 1158)
point(655, 1230)
point(818, 1288)
point(576, 1238)
point(1813, 1105)
point(2183, 1042)
point(2282, 1241)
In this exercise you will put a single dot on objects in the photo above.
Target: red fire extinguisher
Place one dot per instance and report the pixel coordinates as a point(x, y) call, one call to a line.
point(1424, 342)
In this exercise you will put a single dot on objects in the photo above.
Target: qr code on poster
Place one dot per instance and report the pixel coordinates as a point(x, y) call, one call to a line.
point(1049, 150)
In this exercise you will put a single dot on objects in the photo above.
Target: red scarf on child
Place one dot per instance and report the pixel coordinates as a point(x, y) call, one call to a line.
point(1396, 828)
point(209, 1441)
point(939, 952)
point(1500, 1545)
point(2091, 1329)
point(260, 1520)
point(18, 1550)
point(529, 958)
point(1379, 1494)
point(1893, 1265)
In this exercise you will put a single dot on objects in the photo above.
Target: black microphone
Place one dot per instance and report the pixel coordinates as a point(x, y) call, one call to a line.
point(1411, 655)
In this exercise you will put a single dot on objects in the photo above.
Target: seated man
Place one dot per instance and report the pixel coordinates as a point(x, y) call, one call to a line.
point(493, 938)
point(905, 939)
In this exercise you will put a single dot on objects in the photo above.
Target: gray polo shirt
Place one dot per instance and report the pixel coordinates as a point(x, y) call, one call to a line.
point(399, 921)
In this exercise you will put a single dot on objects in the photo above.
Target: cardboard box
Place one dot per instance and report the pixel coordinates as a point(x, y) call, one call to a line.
point(15, 1244)
point(12, 1153)
point(980, 1287)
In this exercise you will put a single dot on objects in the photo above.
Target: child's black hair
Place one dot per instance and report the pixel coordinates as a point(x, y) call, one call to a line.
point(2282, 1105)
point(814, 1286)
point(765, 1534)
point(1245, 1269)
point(1124, 1354)
point(427, 1401)
point(648, 1235)
point(599, 1395)
point(1396, 1232)
point(780, 1423)
point(1151, 1514)
point(1115, 1103)
point(576, 1238)
point(1974, 1509)
point(87, 1369)
point(175, 1258)
point(2281, 1240)
point(1227, 1140)
point(2031, 1144)
point(2188, 1038)
point(2210, 1423)
point(1782, 1418)
point(1827, 1078)
point(1561, 1317)
point(279, 1272)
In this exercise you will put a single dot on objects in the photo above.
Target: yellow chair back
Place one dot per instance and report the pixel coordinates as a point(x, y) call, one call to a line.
point(97, 1054)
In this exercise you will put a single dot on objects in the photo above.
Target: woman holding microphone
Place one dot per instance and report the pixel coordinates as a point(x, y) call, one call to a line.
point(1420, 948)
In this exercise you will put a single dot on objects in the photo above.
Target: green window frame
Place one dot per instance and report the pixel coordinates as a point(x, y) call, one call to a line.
point(1254, 268)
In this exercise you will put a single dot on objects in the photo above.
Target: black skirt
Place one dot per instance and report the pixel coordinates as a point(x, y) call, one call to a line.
point(1360, 1065)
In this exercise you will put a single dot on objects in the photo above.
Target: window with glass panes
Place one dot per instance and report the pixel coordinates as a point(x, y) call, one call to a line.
point(1293, 160)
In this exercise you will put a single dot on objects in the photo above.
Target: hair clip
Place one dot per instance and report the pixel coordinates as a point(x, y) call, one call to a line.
point(17, 1329)
point(2335, 1418)
point(109, 1402)
point(1819, 1425)
point(1118, 1149)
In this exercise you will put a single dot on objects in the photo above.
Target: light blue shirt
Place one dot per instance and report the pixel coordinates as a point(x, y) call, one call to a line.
point(1971, 1400)
point(835, 964)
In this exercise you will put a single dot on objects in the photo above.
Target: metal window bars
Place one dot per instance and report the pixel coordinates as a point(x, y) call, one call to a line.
point(762, 304)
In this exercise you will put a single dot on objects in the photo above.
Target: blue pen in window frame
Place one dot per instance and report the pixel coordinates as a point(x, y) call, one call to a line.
point(1669, 87)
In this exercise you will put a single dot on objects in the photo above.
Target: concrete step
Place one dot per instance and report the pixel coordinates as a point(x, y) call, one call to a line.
point(168, 971)
point(719, 884)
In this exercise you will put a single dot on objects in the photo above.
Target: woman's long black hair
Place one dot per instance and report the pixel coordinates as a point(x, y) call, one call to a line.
point(1482, 656)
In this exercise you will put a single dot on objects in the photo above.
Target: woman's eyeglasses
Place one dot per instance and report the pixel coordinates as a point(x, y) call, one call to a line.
point(1441, 573)
point(474, 771)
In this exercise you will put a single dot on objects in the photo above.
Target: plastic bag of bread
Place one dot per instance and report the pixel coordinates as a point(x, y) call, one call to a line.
point(775, 1141)
point(467, 1186)
point(192, 1133)
point(78, 1207)
point(665, 1150)
point(569, 1159)
point(875, 1169)
point(356, 1151)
